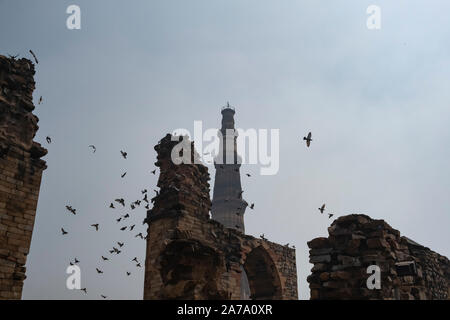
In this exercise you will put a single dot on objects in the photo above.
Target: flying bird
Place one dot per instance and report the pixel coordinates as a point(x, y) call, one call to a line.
point(84, 290)
point(120, 244)
point(308, 139)
point(330, 215)
point(252, 206)
point(118, 220)
point(135, 260)
point(104, 258)
point(76, 260)
point(322, 208)
point(40, 100)
point(49, 140)
point(154, 171)
point(139, 235)
point(70, 209)
point(34, 56)
point(93, 148)
point(104, 297)
point(132, 227)
point(128, 273)
point(123, 228)
point(95, 226)
point(248, 175)
point(124, 154)
point(138, 265)
point(112, 206)
point(121, 201)
point(123, 175)
point(144, 191)
point(64, 232)
point(126, 216)
point(98, 270)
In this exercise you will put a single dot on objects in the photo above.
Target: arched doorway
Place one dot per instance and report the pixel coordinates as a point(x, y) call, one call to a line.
point(262, 275)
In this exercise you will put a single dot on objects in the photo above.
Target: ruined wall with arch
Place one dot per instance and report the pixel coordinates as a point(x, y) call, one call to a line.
point(190, 256)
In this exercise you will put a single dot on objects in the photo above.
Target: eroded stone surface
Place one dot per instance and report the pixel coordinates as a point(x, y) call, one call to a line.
point(20, 172)
point(408, 270)
point(190, 256)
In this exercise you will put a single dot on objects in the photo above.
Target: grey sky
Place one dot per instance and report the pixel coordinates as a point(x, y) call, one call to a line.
point(376, 102)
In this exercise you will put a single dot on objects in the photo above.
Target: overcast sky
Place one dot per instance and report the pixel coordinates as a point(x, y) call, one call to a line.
point(377, 102)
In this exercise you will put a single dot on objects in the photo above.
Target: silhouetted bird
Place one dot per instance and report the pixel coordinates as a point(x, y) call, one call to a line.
point(118, 220)
point(138, 265)
point(252, 206)
point(64, 232)
point(123, 228)
point(70, 209)
point(124, 154)
point(132, 206)
point(144, 191)
point(154, 171)
point(248, 175)
point(95, 226)
point(40, 100)
point(104, 297)
point(98, 270)
point(106, 259)
point(123, 175)
point(128, 273)
point(70, 262)
point(308, 139)
point(322, 208)
point(93, 148)
point(76, 260)
point(34, 56)
point(139, 235)
point(112, 206)
point(126, 216)
point(135, 260)
point(330, 215)
point(121, 201)
point(84, 290)
point(132, 227)
point(120, 244)
point(145, 198)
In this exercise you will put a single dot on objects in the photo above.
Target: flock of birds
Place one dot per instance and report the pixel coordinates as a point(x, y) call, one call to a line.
point(118, 246)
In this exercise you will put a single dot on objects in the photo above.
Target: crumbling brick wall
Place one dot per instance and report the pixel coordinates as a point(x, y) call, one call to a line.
point(190, 256)
point(408, 270)
point(20, 172)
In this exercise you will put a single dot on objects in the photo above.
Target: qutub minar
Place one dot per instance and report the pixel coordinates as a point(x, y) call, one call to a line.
point(228, 206)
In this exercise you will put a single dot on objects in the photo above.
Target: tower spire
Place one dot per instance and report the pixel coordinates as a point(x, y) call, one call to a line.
point(228, 207)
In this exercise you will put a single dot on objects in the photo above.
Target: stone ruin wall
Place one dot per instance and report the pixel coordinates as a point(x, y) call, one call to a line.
point(20, 172)
point(409, 271)
point(190, 256)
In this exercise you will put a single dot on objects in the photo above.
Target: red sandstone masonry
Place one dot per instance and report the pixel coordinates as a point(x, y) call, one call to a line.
point(20, 172)
point(190, 256)
point(409, 271)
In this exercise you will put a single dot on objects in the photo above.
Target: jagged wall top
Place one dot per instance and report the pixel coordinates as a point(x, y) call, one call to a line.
point(18, 125)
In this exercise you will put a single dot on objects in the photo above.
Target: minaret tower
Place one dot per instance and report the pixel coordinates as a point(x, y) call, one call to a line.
point(228, 207)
